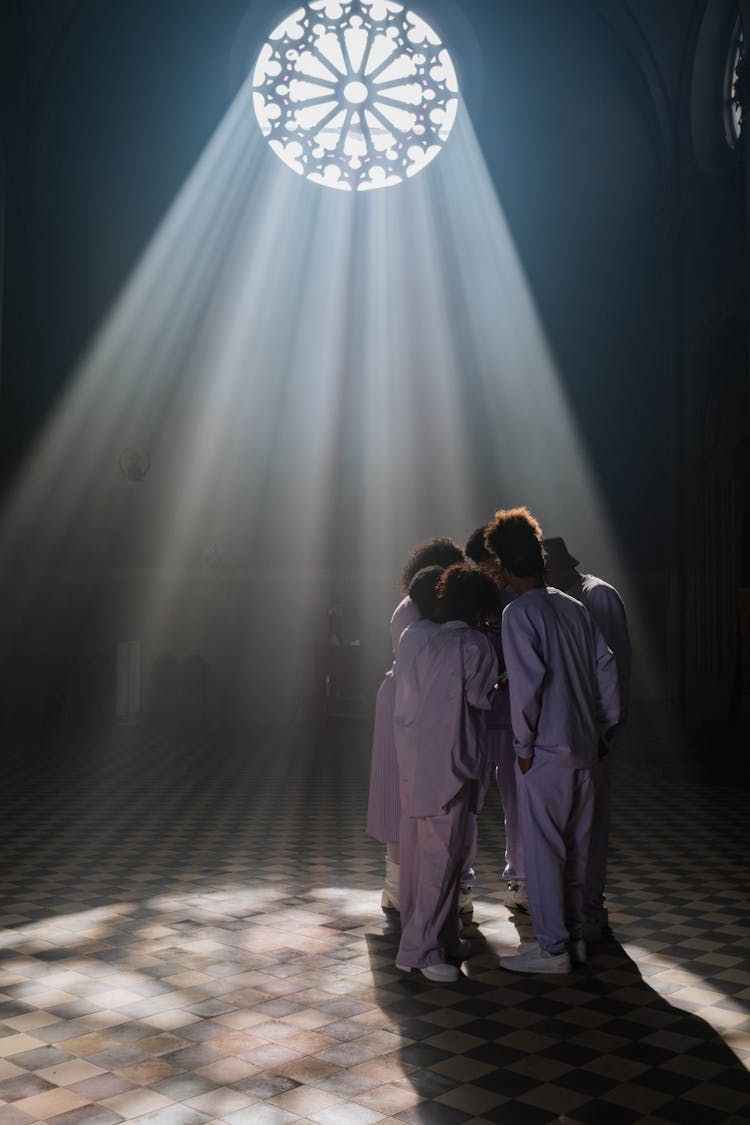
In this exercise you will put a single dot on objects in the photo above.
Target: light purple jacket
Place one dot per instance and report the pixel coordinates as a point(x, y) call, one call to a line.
point(405, 613)
point(562, 678)
point(608, 611)
point(445, 678)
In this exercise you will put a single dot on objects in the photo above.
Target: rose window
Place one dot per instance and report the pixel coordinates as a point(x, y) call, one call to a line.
point(355, 94)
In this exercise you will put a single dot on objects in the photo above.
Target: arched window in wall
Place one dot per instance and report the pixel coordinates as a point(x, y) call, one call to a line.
point(718, 86)
point(732, 104)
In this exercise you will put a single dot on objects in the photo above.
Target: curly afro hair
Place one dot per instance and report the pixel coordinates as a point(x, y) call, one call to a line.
point(475, 548)
point(516, 538)
point(467, 594)
point(432, 552)
point(423, 589)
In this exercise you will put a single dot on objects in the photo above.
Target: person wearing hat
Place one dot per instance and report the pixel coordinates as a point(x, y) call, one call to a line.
point(608, 611)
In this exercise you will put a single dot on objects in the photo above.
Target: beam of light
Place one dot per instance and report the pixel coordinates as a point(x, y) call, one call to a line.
point(458, 366)
point(321, 379)
point(75, 975)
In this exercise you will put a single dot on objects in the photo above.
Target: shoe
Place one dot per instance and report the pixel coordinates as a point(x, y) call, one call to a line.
point(388, 900)
point(439, 973)
point(389, 897)
point(577, 951)
point(465, 904)
point(532, 959)
point(515, 897)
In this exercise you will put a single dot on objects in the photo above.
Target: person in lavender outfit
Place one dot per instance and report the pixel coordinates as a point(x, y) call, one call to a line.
point(608, 611)
point(564, 695)
point(384, 805)
point(446, 676)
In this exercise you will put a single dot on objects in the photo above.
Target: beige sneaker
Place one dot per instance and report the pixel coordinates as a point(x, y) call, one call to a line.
point(531, 958)
point(465, 904)
point(389, 899)
point(515, 897)
point(440, 973)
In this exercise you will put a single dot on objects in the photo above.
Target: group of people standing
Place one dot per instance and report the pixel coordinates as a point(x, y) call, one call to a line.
point(508, 664)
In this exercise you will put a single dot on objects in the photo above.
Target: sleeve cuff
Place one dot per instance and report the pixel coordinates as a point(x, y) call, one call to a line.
point(524, 751)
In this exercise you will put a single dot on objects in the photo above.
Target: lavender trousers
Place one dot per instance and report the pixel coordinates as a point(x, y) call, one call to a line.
point(432, 848)
point(596, 869)
point(501, 750)
point(556, 805)
point(471, 840)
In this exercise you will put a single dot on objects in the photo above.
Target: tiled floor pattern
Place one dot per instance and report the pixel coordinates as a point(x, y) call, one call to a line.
point(191, 933)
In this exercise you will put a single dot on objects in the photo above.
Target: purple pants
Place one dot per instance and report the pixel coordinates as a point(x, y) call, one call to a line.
point(471, 843)
point(500, 750)
point(432, 848)
point(556, 804)
point(596, 869)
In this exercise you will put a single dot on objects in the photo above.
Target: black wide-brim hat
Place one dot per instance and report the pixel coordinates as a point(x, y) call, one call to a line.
point(559, 557)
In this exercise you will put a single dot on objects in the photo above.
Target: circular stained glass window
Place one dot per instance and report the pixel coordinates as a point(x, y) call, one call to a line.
point(355, 94)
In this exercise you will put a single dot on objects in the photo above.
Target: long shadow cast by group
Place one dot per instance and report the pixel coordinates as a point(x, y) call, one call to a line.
point(597, 1045)
point(200, 912)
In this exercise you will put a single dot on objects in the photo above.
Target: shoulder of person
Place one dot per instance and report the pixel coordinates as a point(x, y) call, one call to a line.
point(406, 610)
point(571, 607)
point(566, 598)
point(415, 634)
point(597, 587)
point(477, 638)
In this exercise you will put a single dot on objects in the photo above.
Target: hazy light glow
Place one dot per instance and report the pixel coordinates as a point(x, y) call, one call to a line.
point(355, 94)
point(321, 379)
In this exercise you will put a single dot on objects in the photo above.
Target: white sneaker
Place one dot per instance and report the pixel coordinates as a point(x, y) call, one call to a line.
point(515, 897)
point(439, 973)
point(465, 904)
point(532, 959)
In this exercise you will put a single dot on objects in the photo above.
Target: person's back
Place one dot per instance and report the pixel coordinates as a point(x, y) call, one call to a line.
point(383, 802)
point(405, 614)
point(443, 672)
point(409, 691)
point(448, 678)
point(603, 602)
point(563, 690)
point(608, 612)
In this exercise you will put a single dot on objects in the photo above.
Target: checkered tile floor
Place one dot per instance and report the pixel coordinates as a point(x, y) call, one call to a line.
point(191, 933)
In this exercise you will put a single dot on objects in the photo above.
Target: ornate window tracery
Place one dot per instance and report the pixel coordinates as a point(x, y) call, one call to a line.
point(355, 94)
point(732, 82)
